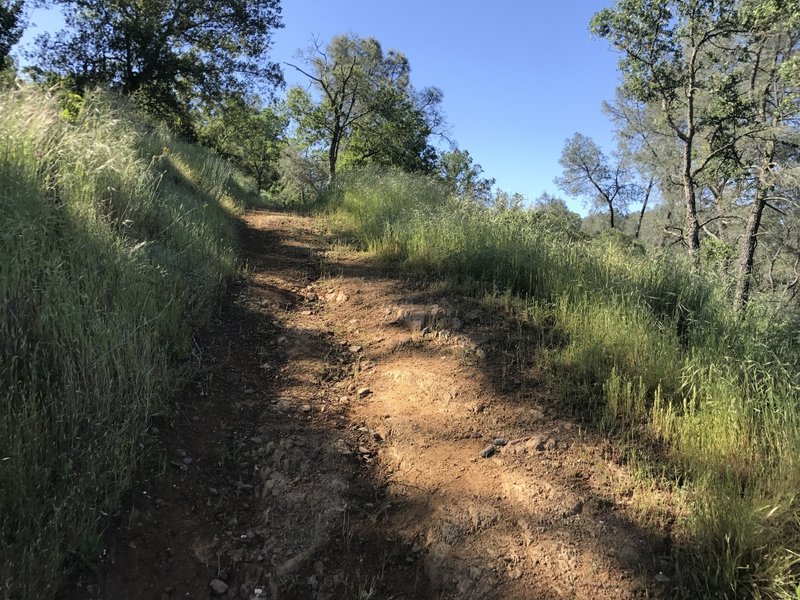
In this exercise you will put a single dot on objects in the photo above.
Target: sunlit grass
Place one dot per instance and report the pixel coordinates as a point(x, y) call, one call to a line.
point(646, 350)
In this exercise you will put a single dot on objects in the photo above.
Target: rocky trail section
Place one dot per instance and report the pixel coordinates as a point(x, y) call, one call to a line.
point(357, 435)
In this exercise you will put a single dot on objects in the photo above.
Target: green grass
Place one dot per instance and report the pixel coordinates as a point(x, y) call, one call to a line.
point(116, 239)
point(648, 351)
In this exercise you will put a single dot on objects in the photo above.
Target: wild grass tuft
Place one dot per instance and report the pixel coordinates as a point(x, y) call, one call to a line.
point(647, 349)
point(115, 239)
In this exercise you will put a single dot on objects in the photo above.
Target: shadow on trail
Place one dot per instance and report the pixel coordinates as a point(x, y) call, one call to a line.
point(600, 527)
point(284, 496)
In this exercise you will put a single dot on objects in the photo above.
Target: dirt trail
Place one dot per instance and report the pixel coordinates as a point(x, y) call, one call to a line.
point(357, 435)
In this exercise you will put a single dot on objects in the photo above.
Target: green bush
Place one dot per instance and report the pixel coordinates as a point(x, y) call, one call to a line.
point(116, 238)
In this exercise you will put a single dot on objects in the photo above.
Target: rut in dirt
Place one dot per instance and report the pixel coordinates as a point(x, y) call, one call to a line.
point(355, 434)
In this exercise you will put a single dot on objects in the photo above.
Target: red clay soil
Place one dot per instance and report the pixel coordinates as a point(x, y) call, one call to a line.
point(355, 434)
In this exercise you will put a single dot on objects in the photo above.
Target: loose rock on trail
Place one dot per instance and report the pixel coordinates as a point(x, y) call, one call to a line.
point(355, 434)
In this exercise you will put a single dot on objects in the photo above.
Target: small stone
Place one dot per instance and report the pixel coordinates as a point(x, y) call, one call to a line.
point(341, 297)
point(480, 353)
point(499, 442)
point(187, 460)
point(363, 450)
point(364, 392)
point(213, 491)
point(377, 436)
point(575, 509)
point(355, 349)
point(488, 451)
point(306, 313)
point(306, 408)
point(218, 586)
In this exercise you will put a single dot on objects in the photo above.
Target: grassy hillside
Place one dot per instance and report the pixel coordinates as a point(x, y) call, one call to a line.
point(642, 347)
point(115, 240)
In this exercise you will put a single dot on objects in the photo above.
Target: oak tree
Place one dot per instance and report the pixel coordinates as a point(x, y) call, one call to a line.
point(171, 54)
point(363, 104)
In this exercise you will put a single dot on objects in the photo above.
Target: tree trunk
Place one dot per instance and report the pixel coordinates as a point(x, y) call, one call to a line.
point(747, 254)
point(610, 214)
point(333, 155)
point(650, 185)
point(692, 234)
point(747, 250)
point(689, 192)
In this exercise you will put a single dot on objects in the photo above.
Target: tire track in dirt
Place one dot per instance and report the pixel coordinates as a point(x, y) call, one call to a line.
point(332, 448)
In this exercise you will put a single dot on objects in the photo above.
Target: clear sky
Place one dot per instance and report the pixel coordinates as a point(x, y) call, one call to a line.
point(519, 77)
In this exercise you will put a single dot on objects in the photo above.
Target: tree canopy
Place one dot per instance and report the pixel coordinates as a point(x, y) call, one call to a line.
point(172, 54)
point(709, 105)
point(10, 26)
point(364, 105)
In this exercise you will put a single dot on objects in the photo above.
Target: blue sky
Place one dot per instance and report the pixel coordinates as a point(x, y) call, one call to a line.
point(518, 77)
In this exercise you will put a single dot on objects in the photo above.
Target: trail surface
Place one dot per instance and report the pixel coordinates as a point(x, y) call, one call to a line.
point(354, 434)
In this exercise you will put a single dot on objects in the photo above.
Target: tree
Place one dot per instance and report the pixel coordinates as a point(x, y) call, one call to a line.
point(365, 104)
point(397, 133)
point(668, 48)
point(169, 53)
point(557, 213)
point(589, 174)
point(302, 174)
point(10, 27)
point(462, 176)
point(249, 134)
point(769, 151)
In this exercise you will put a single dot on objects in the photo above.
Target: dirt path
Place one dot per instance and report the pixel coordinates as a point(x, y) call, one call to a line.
point(357, 435)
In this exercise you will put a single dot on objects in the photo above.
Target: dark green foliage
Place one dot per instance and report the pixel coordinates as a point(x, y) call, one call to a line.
point(462, 176)
point(249, 134)
point(366, 111)
point(170, 54)
point(10, 27)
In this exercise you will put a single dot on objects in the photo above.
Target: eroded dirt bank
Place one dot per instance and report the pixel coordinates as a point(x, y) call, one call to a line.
point(357, 435)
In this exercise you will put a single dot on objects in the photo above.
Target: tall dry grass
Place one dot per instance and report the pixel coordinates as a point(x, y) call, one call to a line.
point(115, 240)
point(647, 350)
